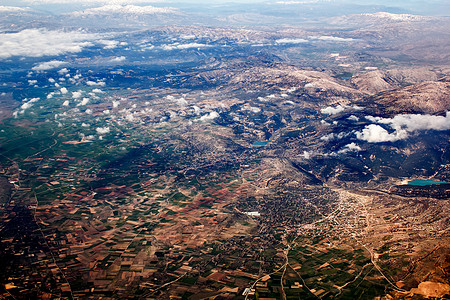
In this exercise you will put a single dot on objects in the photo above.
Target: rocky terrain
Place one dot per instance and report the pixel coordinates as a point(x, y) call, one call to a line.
point(275, 151)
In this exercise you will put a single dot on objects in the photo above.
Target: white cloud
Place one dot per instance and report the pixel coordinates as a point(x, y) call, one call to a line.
point(197, 109)
point(98, 91)
point(334, 136)
point(127, 9)
point(13, 9)
point(129, 117)
point(63, 71)
point(83, 102)
point(349, 147)
point(353, 118)
point(211, 116)
point(296, 2)
point(184, 46)
point(414, 122)
point(306, 155)
point(332, 110)
point(402, 125)
point(332, 38)
point(291, 41)
point(26, 105)
point(340, 108)
point(376, 134)
point(251, 108)
point(76, 95)
point(109, 44)
point(43, 42)
point(90, 2)
point(118, 59)
point(396, 17)
point(102, 130)
point(29, 104)
point(180, 101)
point(310, 154)
point(48, 65)
point(66, 103)
point(93, 83)
point(63, 90)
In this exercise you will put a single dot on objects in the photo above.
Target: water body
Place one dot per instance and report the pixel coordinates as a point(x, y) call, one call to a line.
point(261, 143)
point(420, 182)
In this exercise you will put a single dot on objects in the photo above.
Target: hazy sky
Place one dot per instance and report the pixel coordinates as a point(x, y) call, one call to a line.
point(438, 7)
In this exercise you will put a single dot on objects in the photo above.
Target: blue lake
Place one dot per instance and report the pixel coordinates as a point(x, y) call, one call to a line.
point(261, 143)
point(420, 182)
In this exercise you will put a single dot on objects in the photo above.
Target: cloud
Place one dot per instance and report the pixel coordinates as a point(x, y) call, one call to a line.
point(48, 65)
point(301, 2)
point(180, 101)
point(306, 154)
point(197, 109)
point(126, 9)
point(109, 44)
point(43, 42)
point(402, 125)
point(91, 2)
point(129, 117)
point(353, 118)
point(334, 136)
point(76, 95)
point(178, 46)
point(211, 116)
point(28, 104)
point(93, 83)
point(251, 108)
point(63, 71)
point(98, 91)
point(414, 122)
point(332, 110)
point(13, 9)
point(396, 17)
point(66, 103)
point(331, 38)
point(310, 154)
point(63, 90)
point(291, 41)
point(83, 102)
point(340, 108)
point(102, 130)
point(349, 147)
point(376, 134)
point(118, 59)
